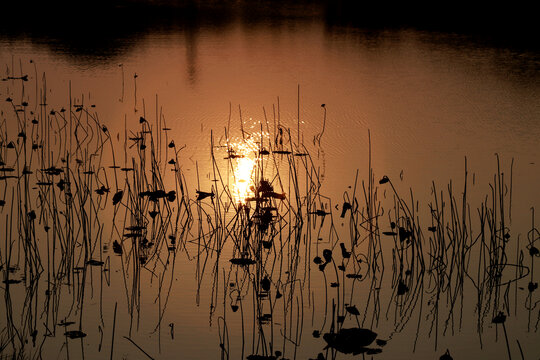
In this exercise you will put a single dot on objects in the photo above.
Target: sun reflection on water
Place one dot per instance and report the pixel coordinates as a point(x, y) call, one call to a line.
point(245, 156)
point(243, 178)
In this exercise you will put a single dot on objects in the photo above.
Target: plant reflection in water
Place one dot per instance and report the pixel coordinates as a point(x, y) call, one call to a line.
point(290, 271)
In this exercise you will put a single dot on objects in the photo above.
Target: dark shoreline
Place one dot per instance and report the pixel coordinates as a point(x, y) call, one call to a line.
point(107, 23)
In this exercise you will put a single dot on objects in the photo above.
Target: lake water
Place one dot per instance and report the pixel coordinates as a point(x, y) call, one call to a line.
point(407, 102)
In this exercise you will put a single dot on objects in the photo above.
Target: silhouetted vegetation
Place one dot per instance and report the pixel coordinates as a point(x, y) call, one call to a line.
point(258, 234)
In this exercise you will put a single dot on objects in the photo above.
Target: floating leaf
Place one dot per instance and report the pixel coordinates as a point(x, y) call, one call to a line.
point(446, 356)
point(8, 177)
point(265, 318)
point(327, 254)
point(346, 206)
point(117, 248)
point(319, 213)
point(499, 319)
point(117, 197)
point(61, 184)
point(265, 284)
point(242, 261)
point(65, 323)
point(53, 170)
point(352, 310)
point(93, 262)
point(132, 235)
point(402, 288)
point(44, 183)
point(32, 215)
point(404, 234)
point(353, 340)
point(74, 334)
point(346, 254)
point(142, 259)
point(11, 281)
point(380, 342)
point(201, 195)
point(135, 228)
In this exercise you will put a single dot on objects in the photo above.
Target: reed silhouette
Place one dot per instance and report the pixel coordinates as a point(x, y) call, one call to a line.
point(266, 252)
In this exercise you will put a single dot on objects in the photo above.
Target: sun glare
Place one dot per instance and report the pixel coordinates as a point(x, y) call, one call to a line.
point(245, 158)
point(243, 180)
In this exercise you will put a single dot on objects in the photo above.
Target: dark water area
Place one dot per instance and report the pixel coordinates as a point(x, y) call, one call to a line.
point(269, 180)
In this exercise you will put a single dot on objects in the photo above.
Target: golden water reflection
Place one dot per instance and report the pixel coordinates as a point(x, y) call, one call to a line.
point(246, 159)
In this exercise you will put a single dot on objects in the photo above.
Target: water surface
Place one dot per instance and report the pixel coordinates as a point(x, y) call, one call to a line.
point(426, 98)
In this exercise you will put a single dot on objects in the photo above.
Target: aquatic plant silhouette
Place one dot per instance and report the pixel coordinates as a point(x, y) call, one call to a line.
point(72, 191)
